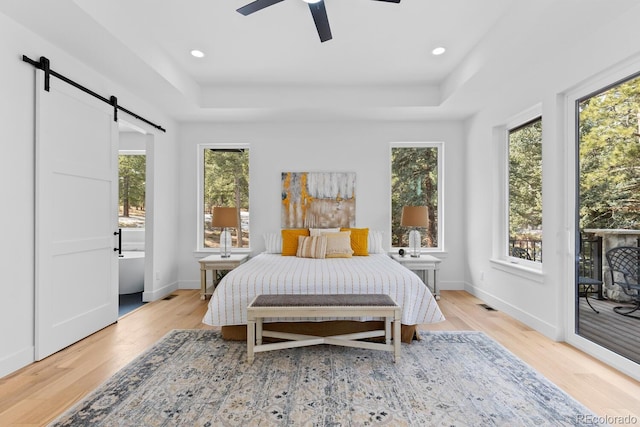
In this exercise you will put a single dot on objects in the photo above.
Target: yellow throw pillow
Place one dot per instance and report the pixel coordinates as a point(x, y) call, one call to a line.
point(339, 245)
point(359, 240)
point(312, 247)
point(290, 240)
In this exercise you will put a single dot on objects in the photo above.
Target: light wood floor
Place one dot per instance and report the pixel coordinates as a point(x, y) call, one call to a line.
point(36, 394)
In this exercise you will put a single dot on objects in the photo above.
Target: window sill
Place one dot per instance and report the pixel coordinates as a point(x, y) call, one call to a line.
point(529, 273)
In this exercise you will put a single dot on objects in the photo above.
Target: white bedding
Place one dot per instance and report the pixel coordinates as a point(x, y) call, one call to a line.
point(277, 274)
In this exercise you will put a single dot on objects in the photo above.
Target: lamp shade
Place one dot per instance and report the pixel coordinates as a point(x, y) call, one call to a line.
point(414, 216)
point(224, 217)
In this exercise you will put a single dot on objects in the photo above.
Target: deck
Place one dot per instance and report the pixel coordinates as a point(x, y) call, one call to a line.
point(618, 333)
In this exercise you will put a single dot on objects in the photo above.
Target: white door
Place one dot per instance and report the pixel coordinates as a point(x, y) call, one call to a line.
point(76, 216)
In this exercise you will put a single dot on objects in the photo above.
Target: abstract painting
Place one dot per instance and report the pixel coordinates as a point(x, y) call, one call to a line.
point(318, 199)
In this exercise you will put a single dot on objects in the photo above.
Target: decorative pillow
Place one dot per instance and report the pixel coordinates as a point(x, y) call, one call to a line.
point(359, 240)
point(339, 245)
point(273, 243)
point(290, 240)
point(312, 247)
point(320, 231)
point(375, 242)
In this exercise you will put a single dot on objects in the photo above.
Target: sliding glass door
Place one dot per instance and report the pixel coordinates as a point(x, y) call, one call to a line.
point(607, 213)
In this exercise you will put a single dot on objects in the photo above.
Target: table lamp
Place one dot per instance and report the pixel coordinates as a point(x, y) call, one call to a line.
point(224, 218)
point(414, 216)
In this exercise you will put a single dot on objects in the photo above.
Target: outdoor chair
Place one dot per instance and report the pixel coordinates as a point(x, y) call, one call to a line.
point(588, 284)
point(623, 263)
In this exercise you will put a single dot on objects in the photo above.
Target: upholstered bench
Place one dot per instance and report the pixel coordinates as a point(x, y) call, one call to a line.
point(311, 306)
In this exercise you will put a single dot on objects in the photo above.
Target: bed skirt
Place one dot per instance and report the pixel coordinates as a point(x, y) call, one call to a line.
point(332, 327)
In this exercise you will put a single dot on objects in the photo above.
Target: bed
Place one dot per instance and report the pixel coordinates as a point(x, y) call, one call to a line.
point(276, 274)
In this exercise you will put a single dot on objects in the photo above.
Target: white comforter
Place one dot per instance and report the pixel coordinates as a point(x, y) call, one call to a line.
point(277, 274)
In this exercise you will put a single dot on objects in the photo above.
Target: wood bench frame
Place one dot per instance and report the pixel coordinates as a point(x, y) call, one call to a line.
point(350, 305)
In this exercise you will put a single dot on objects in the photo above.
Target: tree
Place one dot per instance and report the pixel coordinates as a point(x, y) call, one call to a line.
point(132, 179)
point(525, 181)
point(609, 132)
point(226, 181)
point(414, 182)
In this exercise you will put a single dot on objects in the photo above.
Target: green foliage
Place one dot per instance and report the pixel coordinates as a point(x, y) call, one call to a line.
point(609, 132)
point(226, 179)
point(525, 181)
point(132, 180)
point(414, 182)
point(226, 183)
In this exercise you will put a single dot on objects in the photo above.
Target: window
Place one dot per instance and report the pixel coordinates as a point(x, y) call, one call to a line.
point(525, 191)
point(131, 191)
point(224, 181)
point(416, 180)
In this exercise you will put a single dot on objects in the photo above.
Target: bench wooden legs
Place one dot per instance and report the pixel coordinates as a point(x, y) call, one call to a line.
point(255, 332)
point(251, 339)
point(292, 306)
point(396, 338)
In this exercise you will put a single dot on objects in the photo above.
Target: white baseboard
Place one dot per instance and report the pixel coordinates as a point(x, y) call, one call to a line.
point(545, 328)
point(17, 360)
point(444, 286)
point(159, 293)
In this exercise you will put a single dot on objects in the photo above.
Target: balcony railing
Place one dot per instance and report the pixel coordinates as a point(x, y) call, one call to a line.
point(590, 257)
point(526, 249)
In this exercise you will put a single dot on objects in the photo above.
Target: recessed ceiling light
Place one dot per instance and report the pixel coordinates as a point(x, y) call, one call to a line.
point(439, 50)
point(197, 53)
point(311, 1)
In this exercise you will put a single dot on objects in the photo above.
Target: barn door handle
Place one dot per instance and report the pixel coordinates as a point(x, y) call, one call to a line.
point(119, 248)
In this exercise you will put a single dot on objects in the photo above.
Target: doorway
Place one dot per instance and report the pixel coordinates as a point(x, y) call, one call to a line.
point(607, 212)
point(133, 206)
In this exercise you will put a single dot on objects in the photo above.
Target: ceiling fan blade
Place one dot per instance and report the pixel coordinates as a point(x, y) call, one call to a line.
point(256, 6)
point(319, 13)
point(390, 1)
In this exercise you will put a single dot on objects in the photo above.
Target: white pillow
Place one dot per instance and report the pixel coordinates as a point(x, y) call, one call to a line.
point(319, 231)
point(375, 242)
point(338, 244)
point(273, 243)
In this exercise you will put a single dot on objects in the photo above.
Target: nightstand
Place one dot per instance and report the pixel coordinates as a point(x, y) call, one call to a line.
point(217, 263)
point(422, 265)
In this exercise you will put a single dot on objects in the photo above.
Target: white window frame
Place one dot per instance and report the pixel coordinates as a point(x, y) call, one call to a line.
point(440, 188)
point(502, 257)
point(200, 201)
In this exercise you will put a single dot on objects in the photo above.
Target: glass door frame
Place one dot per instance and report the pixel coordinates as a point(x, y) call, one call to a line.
point(571, 100)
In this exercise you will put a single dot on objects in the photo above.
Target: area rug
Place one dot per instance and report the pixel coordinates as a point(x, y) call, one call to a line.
point(194, 378)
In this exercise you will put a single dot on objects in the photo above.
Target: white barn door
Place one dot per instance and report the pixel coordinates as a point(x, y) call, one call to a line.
point(76, 216)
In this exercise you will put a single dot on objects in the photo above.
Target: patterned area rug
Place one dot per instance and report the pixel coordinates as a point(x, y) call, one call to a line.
point(194, 378)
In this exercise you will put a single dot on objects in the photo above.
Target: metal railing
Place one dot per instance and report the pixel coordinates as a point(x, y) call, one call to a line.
point(590, 256)
point(528, 249)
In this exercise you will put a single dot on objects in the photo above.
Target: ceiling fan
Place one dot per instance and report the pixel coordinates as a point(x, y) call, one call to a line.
point(318, 11)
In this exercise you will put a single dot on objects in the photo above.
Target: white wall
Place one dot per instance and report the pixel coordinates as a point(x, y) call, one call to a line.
point(132, 141)
point(540, 302)
point(17, 183)
point(360, 147)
